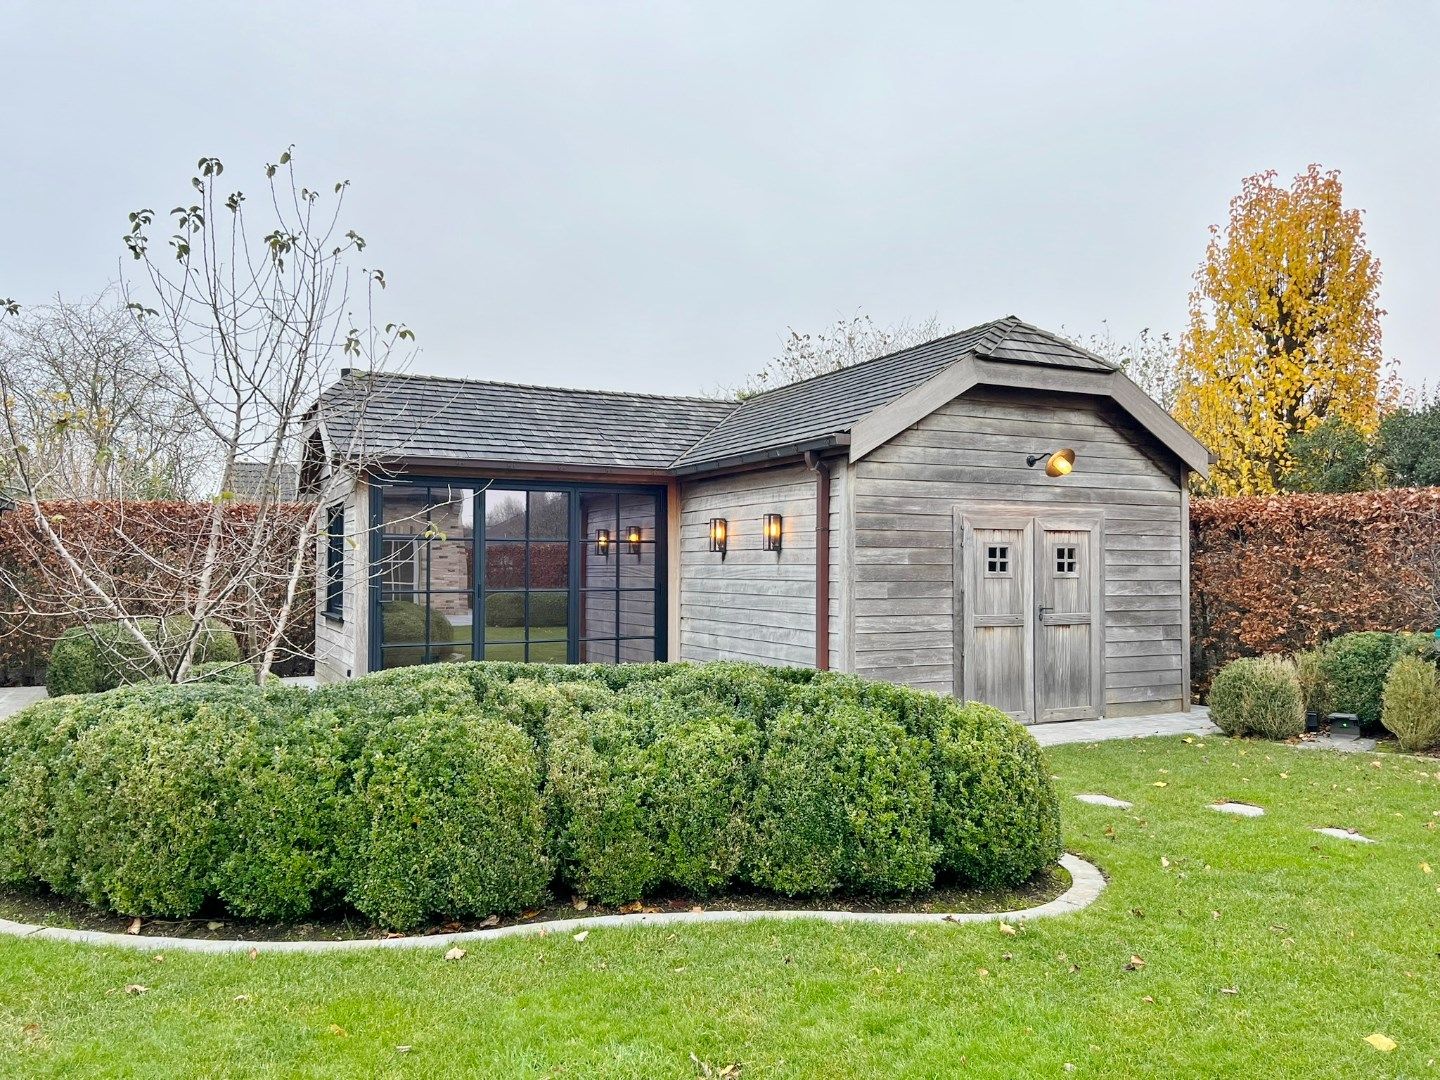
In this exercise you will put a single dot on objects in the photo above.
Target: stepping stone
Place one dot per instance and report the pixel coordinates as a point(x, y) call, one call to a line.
point(1347, 834)
point(1243, 809)
point(1104, 800)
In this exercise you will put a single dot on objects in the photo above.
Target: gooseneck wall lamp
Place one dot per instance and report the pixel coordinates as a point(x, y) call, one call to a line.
point(1060, 463)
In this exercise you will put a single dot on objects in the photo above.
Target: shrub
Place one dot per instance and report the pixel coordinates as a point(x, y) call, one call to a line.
point(1258, 696)
point(102, 656)
point(1314, 683)
point(1356, 666)
point(445, 819)
point(404, 622)
point(997, 817)
point(844, 800)
point(647, 792)
point(467, 789)
point(1412, 704)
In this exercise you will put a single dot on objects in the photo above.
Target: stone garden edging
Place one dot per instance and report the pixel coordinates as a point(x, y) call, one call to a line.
point(1086, 884)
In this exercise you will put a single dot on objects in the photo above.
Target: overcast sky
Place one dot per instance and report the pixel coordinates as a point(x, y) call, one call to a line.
point(645, 196)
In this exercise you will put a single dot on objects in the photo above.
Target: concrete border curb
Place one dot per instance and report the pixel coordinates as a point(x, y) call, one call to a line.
point(1085, 886)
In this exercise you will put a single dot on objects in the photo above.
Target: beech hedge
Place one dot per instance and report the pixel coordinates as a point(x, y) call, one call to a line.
point(466, 789)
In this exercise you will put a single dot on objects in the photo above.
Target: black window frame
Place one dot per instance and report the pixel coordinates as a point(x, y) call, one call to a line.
point(335, 562)
point(576, 540)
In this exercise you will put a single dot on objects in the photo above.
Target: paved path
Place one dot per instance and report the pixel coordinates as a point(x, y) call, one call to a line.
point(1194, 722)
point(15, 698)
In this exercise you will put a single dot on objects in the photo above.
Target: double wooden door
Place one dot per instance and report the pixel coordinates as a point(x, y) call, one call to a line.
point(1030, 631)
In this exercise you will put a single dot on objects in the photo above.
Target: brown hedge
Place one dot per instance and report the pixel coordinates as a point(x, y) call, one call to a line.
point(170, 532)
point(1286, 572)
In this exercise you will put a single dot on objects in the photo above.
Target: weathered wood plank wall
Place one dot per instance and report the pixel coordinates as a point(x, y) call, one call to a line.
point(755, 604)
point(973, 450)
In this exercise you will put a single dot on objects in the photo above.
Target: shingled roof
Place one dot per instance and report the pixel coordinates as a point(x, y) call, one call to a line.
point(437, 419)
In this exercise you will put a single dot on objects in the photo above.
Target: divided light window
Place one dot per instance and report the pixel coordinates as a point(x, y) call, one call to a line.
point(515, 573)
point(335, 561)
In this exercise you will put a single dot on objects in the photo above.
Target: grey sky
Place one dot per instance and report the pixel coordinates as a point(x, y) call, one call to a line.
point(645, 196)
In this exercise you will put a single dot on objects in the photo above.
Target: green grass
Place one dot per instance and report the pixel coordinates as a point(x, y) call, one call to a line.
point(1325, 941)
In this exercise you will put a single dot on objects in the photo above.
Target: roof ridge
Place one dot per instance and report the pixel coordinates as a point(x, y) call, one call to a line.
point(873, 359)
point(351, 373)
point(1016, 322)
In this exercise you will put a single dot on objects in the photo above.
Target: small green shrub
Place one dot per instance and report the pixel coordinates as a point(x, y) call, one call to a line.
point(445, 820)
point(1411, 709)
point(102, 656)
point(403, 622)
point(844, 800)
point(1314, 683)
point(1356, 665)
point(1258, 696)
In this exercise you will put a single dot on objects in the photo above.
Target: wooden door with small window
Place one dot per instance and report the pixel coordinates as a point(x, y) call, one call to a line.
point(1029, 636)
point(1067, 621)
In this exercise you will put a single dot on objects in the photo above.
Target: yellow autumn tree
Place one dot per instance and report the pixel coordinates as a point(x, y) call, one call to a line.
point(1284, 329)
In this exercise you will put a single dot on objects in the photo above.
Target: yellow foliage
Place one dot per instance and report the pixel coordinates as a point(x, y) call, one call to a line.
point(1284, 329)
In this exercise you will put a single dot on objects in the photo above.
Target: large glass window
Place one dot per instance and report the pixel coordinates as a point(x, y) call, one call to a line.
point(551, 574)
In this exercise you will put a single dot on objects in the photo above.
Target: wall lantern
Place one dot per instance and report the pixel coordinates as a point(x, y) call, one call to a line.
point(719, 535)
point(602, 543)
point(632, 537)
point(771, 531)
point(1060, 463)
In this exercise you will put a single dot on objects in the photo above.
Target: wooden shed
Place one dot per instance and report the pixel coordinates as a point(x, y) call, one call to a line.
point(904, 519)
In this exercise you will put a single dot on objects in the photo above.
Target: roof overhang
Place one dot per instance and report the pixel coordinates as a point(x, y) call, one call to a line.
point(882, 425)
point(769, 456)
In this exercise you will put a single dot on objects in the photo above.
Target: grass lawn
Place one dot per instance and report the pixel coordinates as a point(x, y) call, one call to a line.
point(1324, 942)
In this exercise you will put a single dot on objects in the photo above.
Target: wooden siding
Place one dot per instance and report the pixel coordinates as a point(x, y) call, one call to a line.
point(755, 604)
point(972, 452)
point(341, 647)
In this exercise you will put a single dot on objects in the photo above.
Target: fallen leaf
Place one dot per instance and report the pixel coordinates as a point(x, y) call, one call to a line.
point(455, 953)
point(242, 999)
point(1230, 990)
point(1383, 1043)
point(1160, 783)
point(1148, 1000)
point(136, 988)
point(579, 904)
point(984, 973)
point(338, 1031)
point(530, 914)
point(1006, 928)
point(1425, 868)
point(582, 935)
point(403, 1049)
point(1135, 964)
point(254, 953)
point(697, 909)
point(491, 920)
point(213, 925)
point(159, 958)
point(631, 909)
point(1164, 862)
point(135, 924)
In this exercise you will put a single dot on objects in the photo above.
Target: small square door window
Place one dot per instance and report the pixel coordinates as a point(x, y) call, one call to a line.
point(1065, 560)
point(997, 558)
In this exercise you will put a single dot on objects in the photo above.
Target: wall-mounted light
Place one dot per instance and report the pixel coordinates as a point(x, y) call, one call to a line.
point(1060, 463)
point(632, 537)
point(602, 543)
point(772, 531)
point(719, 535)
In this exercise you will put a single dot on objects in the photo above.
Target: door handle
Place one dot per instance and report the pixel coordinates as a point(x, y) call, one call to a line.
point(1042, 611)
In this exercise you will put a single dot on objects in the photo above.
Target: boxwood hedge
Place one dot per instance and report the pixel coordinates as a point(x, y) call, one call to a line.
point(465, 789)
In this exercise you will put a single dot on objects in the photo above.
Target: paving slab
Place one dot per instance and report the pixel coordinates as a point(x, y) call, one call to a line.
point(1240, 808)
point(1345, 746)
point(1103, 800)
point(1347, 834)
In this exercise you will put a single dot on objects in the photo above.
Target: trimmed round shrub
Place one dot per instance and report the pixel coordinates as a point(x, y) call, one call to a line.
point(843, 801)
point(102, 656)
point(1411, 710)
point(649, 792)
point(1356, 665)
point(1314, 682)
point(404, 622)
point(997, 817)
point(445, 820)
point(1258, 696)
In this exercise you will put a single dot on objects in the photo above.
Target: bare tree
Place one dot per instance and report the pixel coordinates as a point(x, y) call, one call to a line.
point(1150, 359)
point(851, 340)
point(247, 324)
point(89, 401)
